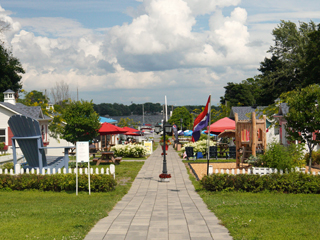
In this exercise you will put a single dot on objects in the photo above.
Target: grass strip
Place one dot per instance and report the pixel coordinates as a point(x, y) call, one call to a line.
point(264, 215)
point(60, 215)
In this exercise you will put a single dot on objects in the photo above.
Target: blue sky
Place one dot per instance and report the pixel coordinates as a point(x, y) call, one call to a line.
point(139, 51)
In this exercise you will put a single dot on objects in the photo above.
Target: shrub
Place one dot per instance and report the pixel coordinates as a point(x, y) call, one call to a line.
point(80, 165)
point(7, 166)
point(129, 150)
point(57, 182)
point(315, 157)
point(286, 183)
point(281, 157)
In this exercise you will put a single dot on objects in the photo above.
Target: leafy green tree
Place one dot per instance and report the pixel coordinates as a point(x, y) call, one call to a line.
point(181, 112)
point(283, 72)
point(35, 98)
point(303, 119)
point(10, 72)
point(241, 94)
point(312, 68)
point(77, 122)
point(128, 122)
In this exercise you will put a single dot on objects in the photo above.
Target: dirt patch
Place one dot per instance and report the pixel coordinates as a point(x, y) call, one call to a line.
point(201, 168)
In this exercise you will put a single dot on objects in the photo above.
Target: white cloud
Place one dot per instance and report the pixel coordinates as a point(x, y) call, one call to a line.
point(158, 52)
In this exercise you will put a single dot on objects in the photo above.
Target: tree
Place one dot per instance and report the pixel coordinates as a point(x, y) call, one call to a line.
point(303, 119)
point(35, 98)
point(10, 72)
point(127, 122)
point(240, 94)
point(283, 72)
point(312, 68)
point(60, 92)
point(77, 122)
point(177, 114)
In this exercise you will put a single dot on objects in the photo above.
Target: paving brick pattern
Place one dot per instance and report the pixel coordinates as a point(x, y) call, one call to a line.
point(160, 210)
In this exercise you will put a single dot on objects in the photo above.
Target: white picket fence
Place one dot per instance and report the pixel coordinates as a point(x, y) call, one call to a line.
point(259, 171)
point(19, 170)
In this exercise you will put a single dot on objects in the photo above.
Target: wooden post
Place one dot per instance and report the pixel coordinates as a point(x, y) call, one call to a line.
point(238, 140)
point(264, 135)
point(254, 134)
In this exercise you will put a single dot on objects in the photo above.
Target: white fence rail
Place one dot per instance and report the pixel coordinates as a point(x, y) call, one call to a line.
point(259, 171)
point(19, 170)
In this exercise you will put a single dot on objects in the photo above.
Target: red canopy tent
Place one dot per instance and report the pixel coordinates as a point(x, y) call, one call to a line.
point(132, 131)
point(109, 129)
point(221, 125)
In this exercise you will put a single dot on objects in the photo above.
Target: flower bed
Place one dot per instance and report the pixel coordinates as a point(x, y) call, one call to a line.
point(129, 150)
point(199, 146)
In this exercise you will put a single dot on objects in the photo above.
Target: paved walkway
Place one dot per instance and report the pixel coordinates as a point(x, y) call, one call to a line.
point(160, 210)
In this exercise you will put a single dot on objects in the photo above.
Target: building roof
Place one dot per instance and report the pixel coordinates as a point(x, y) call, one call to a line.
point(34, 112)
point(244, 111)
point(9, 91)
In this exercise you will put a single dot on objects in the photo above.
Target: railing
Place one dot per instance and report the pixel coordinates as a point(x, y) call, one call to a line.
point(259, 171)
point(19, 170)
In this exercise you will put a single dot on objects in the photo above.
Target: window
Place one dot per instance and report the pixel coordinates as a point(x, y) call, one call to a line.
point(2, 135)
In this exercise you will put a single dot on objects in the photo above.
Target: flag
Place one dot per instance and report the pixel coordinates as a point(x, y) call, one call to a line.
point(200, 122)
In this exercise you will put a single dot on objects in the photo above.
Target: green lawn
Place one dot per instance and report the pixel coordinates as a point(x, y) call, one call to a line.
point(52, 215)
point(265, 215)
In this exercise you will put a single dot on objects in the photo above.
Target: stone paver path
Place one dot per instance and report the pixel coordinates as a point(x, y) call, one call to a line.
point(160, 210)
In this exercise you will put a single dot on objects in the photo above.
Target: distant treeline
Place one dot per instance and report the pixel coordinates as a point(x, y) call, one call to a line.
point(116, 109)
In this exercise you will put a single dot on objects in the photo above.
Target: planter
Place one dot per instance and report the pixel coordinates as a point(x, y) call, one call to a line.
point(167, 146)
point(164, 177)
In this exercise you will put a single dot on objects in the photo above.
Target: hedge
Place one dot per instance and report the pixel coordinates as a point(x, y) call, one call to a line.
point(285, 183)
point(57, 182)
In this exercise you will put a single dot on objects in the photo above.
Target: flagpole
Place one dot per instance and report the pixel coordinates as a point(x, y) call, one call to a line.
point(208, 140)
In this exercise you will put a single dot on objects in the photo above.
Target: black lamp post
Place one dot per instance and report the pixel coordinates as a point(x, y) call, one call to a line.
point(181, 121)
point(167, 128)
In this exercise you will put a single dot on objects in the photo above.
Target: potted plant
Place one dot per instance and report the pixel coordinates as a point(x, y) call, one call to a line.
point(167, 142)
point(165, 177)
point(3, 147)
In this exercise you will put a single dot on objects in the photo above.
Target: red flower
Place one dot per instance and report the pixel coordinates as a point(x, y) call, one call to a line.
point(164, 175)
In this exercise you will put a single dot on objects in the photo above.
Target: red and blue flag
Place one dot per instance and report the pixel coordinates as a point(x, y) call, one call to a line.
point(201, 122)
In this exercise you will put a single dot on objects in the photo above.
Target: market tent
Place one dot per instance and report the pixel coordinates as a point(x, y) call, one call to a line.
point(132, 131)
point(107, 128)
point(222, 125)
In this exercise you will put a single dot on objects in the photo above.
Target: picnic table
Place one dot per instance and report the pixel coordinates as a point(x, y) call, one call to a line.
point(107, 157)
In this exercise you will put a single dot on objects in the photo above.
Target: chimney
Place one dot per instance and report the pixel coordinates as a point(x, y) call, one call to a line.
point(9, 97)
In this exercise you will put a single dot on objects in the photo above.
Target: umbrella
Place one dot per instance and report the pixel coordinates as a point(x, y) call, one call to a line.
point(107, 128)
point(228, 134)
point(204, 132)
point(180, 133)
point(188, 133)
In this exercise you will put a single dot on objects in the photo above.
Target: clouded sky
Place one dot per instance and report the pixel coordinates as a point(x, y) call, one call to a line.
point(139, 51)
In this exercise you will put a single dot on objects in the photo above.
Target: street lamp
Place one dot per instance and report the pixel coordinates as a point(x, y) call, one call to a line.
point(181, 121)
point(157, 128)
point(167, 128)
